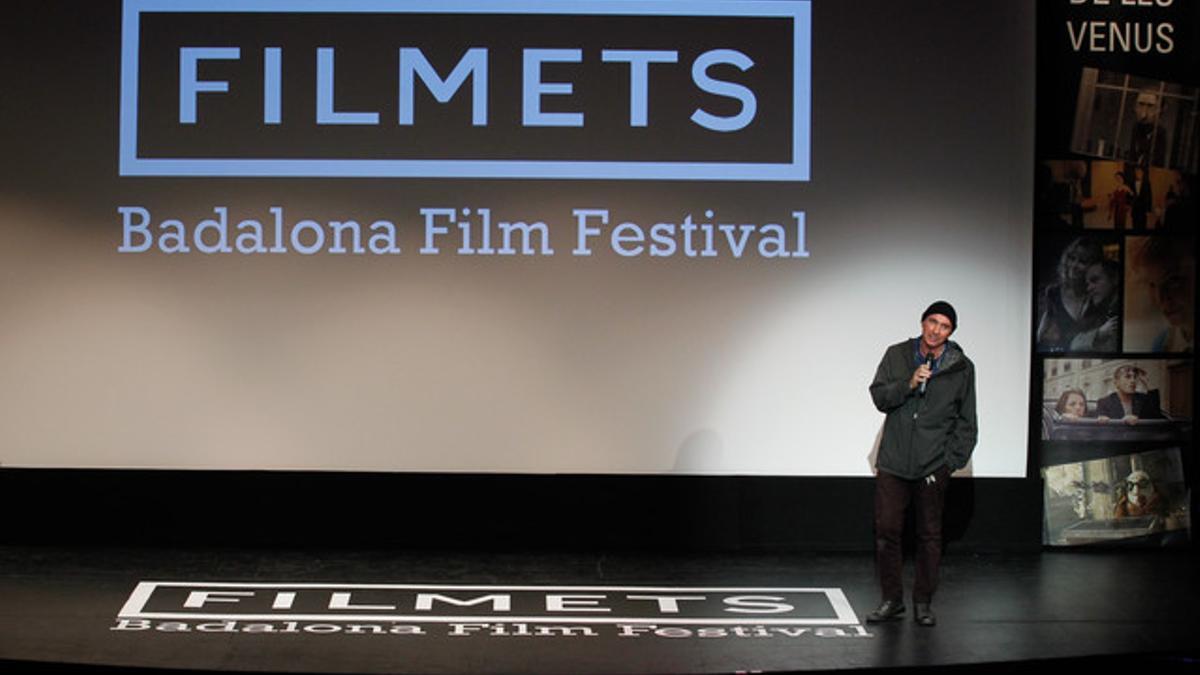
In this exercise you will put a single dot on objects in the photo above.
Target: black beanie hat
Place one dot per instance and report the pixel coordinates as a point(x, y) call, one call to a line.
point(942, 307)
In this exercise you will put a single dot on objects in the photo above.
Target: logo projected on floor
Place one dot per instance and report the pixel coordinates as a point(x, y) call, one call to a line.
point(486, 610)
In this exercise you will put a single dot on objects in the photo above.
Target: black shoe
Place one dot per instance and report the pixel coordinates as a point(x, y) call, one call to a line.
point(923, 615)
point(888, 610)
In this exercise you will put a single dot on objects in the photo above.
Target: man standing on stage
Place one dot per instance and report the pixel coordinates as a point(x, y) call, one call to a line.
point(926, 386)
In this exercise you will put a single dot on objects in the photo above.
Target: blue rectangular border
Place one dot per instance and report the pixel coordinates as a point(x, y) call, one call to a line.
point(798, 170)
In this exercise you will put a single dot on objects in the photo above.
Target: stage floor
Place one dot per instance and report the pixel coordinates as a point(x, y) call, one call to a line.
point(404, 612)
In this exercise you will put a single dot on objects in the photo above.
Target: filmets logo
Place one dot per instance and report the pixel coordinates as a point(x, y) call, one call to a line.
point(487, 610)
point(596, 89)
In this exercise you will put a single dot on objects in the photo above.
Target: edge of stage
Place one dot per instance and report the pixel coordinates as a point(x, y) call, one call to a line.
point(63, 605)
point(69, 576)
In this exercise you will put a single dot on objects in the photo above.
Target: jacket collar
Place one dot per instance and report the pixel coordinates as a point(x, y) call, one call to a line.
point(952, 356)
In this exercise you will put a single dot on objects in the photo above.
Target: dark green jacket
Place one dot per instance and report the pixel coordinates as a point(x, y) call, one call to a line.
point(924, 433)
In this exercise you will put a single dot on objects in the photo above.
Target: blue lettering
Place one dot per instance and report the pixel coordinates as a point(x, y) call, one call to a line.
point(639, 78)
point(325, 111)
point(190, 86)
point(474, 64)
point(533, 88)
point(272, 85)
point(727, 89)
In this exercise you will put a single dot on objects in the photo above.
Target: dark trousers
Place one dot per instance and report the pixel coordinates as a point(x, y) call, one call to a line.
point(893, 496)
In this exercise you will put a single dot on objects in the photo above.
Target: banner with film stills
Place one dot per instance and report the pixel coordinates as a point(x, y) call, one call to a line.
point(1115, 269)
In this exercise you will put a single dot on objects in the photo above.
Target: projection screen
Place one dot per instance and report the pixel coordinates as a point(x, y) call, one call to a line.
point(615, 236)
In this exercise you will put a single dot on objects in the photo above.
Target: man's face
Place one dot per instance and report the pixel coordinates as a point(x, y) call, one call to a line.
point(1099, 286)
point(1146, 107)
point(1126, 380)
point(935, 330)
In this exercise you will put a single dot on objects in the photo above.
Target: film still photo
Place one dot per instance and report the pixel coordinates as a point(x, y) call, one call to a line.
point(1160, 294)
point(1143, 121)
point(1139, 498)
point(1136, 400)
point(1079, 295)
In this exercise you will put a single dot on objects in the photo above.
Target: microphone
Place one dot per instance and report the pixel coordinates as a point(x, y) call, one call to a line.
point(928, 362)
